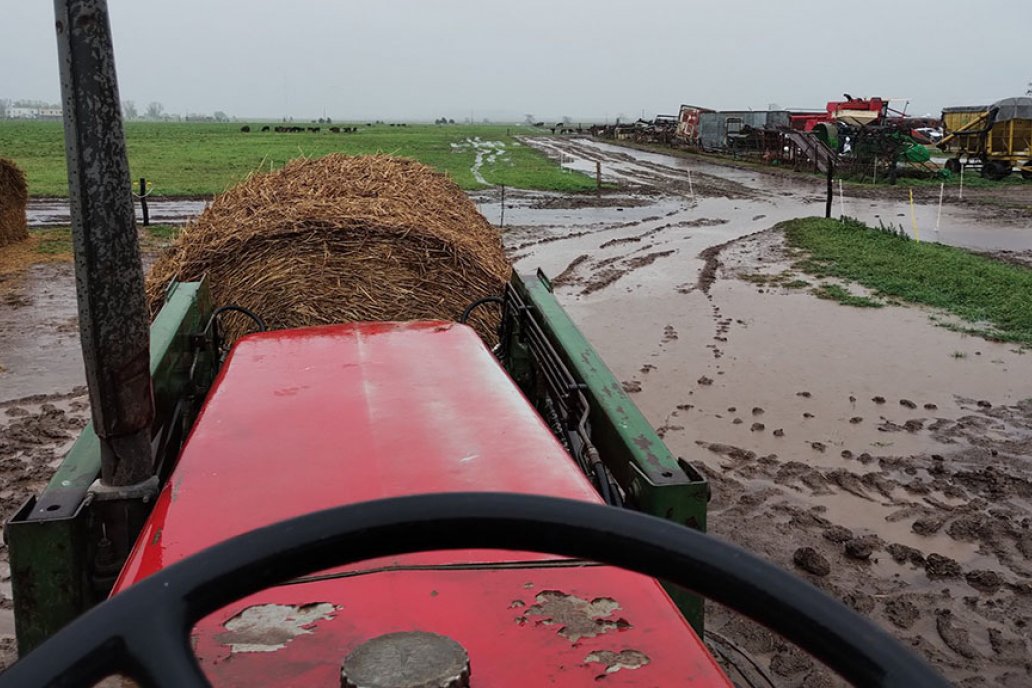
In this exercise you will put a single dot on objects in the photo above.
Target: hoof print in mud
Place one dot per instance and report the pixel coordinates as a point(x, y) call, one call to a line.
point(938, 567)
point(984, 581)
point(904, 553)
point(838, 534)
point(902, 612)
point(927, 526)
point(811, 561)
point(860, 549)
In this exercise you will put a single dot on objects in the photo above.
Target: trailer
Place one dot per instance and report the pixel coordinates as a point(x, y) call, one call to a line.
point(688, 124)
point(992, 139)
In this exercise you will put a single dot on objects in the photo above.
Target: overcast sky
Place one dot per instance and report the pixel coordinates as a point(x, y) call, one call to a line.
point(589, 59)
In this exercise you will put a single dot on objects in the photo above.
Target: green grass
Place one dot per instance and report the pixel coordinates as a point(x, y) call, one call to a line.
point(57, 241)
point(54, 242)
point(187, 159)
point(164, 232)
point(995, 297)
point(835, 292)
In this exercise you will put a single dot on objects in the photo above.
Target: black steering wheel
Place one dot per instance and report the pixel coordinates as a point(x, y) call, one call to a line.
point(144, 631)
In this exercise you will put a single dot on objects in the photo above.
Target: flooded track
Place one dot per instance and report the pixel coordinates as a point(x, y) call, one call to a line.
point(883, 457)
point(886, 458)
point(54, 212)
point(782, 197)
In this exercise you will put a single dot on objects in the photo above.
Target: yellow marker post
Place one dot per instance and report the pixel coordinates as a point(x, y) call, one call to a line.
point(913, 217)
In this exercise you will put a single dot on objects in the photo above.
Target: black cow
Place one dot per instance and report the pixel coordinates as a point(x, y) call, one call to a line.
point(246, 129)
point(266, 128)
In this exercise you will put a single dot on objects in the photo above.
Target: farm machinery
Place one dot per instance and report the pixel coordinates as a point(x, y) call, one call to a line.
point(389, 504)
point(992, 140)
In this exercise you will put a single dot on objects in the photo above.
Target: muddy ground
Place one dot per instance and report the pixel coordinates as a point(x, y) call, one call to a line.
point(879, 455)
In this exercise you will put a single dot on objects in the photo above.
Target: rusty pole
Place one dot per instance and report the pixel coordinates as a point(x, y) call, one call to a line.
point(113, 317)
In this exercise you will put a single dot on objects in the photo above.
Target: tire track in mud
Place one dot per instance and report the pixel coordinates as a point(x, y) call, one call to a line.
point(644, 174)
point(943, 555)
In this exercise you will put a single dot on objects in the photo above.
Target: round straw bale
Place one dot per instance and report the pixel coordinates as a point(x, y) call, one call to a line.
point(14, 196)
point(341, 239)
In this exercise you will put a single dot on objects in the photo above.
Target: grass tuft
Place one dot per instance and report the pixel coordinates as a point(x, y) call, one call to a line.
point(836, 293)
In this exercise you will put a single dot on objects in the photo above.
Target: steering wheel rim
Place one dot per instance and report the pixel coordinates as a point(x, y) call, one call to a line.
point(144, 631)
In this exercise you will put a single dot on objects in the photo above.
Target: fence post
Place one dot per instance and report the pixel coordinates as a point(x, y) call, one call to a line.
point(831, 190)
point(502, 221)
point(143, 202)
point(598, 177)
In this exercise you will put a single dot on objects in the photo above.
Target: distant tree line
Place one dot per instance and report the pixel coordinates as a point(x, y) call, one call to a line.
point(155, 112)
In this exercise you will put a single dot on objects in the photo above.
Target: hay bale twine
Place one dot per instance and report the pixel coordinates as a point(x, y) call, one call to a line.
point(342, 239)
point(14, 196)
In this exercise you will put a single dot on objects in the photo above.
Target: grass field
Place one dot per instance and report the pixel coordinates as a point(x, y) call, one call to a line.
point(186, 159)
point(992, 296)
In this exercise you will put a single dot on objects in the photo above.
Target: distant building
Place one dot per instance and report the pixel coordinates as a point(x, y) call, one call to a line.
point(34, 112)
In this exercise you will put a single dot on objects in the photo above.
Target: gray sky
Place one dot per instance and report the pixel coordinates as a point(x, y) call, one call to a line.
point(588, 59)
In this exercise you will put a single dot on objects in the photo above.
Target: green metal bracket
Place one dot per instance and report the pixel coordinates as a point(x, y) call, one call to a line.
point(53, 539)
point(655, 481)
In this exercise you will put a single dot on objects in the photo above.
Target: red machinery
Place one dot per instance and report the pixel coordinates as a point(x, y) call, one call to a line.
point(837, 109)
point(306, 420)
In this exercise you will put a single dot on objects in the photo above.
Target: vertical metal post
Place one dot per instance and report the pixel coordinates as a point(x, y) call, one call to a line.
point(598, 177)
point(113, 317)
point(831, 189)
point(143, 202)
point(502, 221)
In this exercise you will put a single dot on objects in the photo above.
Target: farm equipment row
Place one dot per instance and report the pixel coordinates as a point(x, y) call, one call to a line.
point(861, 137)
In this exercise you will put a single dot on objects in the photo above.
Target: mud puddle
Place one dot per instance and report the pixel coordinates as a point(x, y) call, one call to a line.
point(35, 433)
point(39, 335)
point(53, 212)
point(888, 455)
point(781, 197)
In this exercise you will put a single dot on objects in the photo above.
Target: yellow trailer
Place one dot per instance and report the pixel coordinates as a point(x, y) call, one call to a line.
point(994, 139)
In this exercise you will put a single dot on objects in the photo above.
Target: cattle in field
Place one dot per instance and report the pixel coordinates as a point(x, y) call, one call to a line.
point(246, 129)
point(314, 130)
point(266, 127)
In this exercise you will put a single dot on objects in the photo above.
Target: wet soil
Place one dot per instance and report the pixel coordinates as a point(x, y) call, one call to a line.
point(54, 212)
point(1001, 201)
point(878, 455)
point(35, 433)
point(847, 445)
